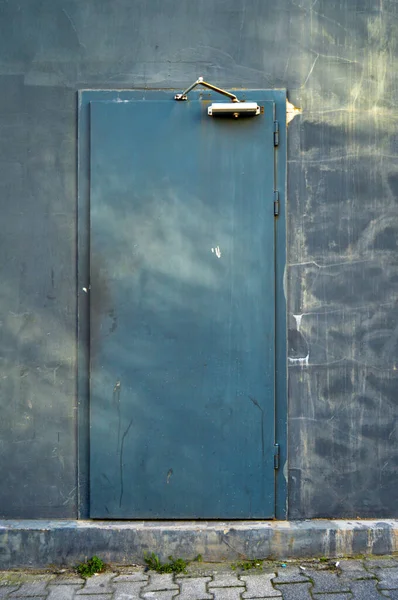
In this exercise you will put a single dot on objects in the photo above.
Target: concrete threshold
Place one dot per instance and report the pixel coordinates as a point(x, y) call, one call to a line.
point(38, 543)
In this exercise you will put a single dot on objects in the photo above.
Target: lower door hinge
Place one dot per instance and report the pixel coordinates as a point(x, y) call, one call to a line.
point(276, 456)
point(276, 203)
point(276, 133)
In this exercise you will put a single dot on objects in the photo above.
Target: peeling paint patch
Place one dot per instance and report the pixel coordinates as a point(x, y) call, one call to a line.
point(291, 111)
point(216, 251)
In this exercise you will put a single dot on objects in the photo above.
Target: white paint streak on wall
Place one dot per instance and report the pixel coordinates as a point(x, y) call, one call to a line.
point(291, 111)
point(303, 361)
point(298, 321)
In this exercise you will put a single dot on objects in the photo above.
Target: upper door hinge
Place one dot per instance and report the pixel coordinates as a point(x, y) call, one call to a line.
point(276, 456)
point(276, 133)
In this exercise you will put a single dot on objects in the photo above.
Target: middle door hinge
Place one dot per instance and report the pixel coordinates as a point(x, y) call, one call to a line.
point(276, 133)
point(276, 203)
point(276, 456)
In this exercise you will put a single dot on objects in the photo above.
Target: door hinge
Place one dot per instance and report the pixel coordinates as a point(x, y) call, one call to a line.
point(276, 203)
point(276, 133)
point(276, 456)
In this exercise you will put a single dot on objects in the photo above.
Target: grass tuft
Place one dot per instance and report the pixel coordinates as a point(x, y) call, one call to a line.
point(247, 565)
point(175, 565)
point(92, 566)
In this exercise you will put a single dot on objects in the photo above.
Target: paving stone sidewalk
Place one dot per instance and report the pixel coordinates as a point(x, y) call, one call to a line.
point(364, 579)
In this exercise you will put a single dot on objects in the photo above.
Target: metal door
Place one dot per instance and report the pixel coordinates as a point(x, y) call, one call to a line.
point(182, 311)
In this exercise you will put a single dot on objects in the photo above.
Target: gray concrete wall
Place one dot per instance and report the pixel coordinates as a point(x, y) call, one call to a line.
point(338, 61)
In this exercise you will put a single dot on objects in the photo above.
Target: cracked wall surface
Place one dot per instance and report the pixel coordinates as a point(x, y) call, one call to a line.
point(338, 62)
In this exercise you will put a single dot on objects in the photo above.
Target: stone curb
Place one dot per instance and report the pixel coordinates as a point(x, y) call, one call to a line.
point(41, 543)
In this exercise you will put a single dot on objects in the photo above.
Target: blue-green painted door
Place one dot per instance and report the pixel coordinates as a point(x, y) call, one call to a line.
point(182, 311)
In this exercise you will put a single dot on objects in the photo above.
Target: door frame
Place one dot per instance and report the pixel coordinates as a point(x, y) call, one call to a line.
point(83, 270)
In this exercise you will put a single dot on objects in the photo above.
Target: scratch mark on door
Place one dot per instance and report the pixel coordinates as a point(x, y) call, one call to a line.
point(105, 476)
point(169, 474)
point(254, 401)
point(216, 251)
point(121, 463)
point(116, 400)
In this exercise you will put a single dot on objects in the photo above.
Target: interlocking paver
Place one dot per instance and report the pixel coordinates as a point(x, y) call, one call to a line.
point(7, 589)
point(354, 569)
point(131, 577)
point(388, 578)
point(17, 577)
point(68, 579)
point(32, 588)
point(34, 597)
point(346, 596)
point(227, 593)
point(128, 590)
point(366, 590)
point(160, 595)
point(194, 588)
point(159, 582)
point(62, 592)
point(97, 597)
point(225, 580)
point(259, 586)
point(291, 575)
point(98, 584)
point(382, 563)
point(328, 582)
point(365, 579)
point(392, 594)
point(295, 591)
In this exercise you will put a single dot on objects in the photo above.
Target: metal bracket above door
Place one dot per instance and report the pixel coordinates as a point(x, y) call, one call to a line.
point(234, 108)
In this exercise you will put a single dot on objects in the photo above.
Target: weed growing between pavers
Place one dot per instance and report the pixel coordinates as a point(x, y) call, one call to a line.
point(92, 566)
point(175, 565)
point(247, 565)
